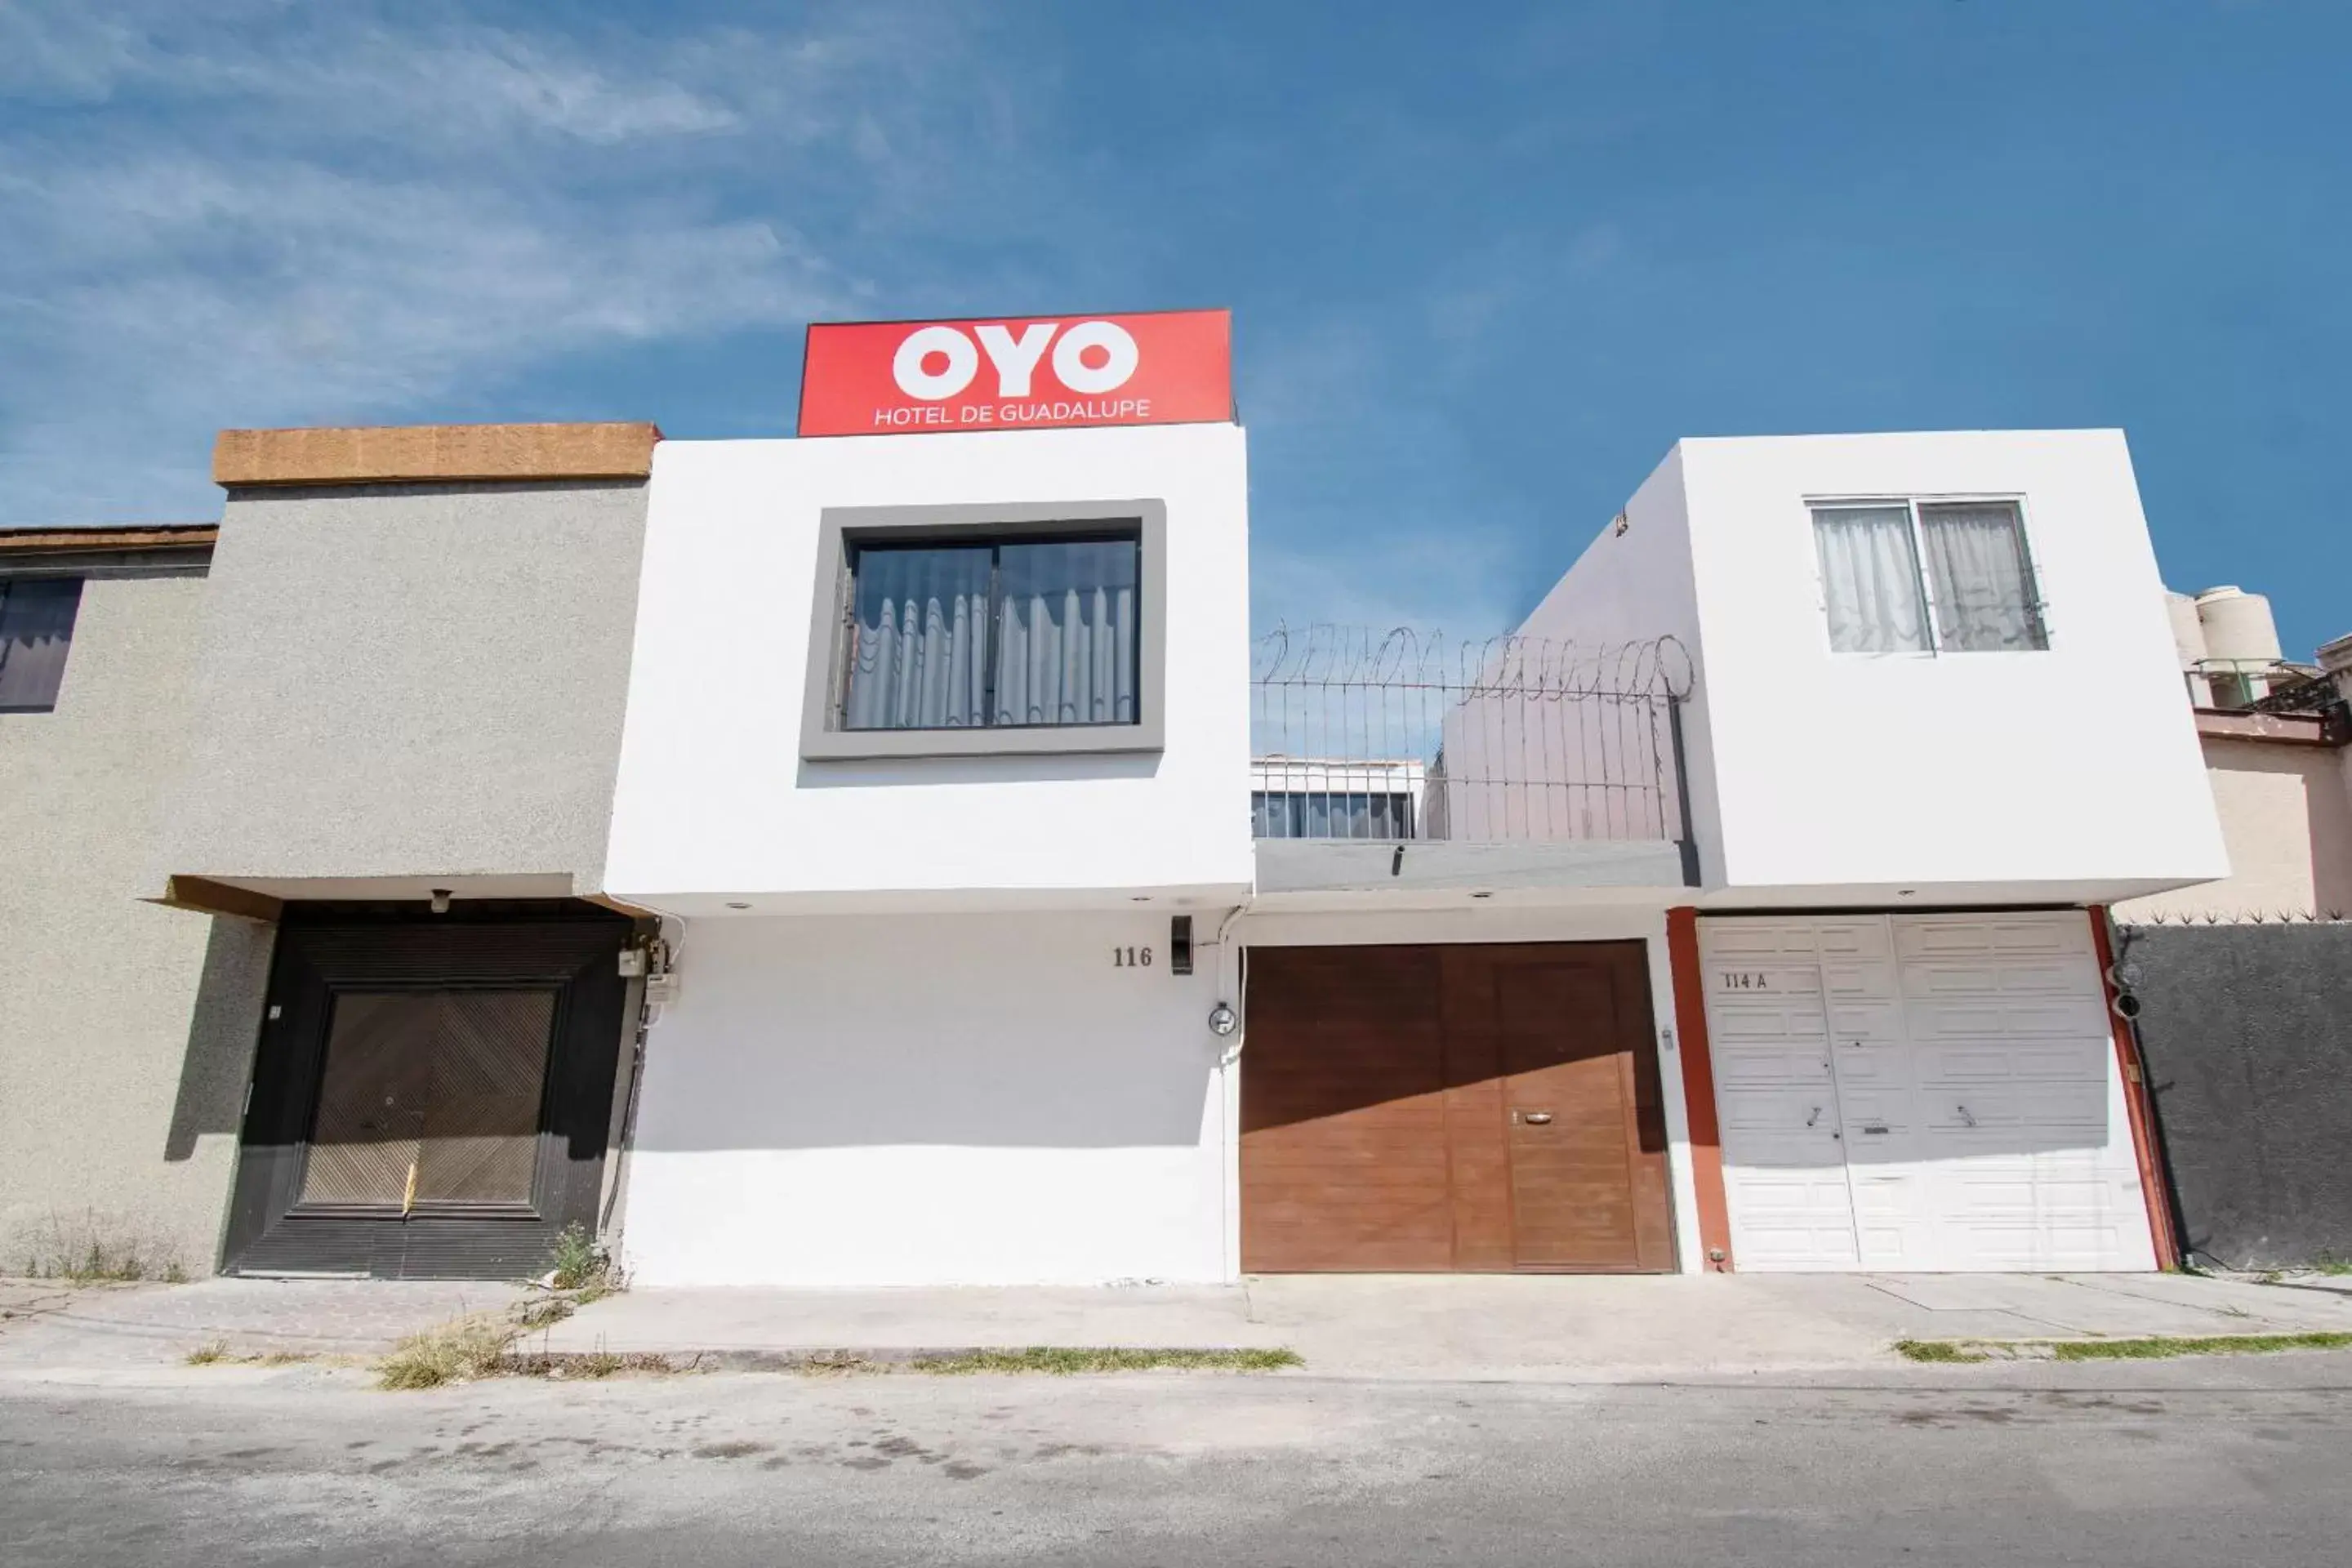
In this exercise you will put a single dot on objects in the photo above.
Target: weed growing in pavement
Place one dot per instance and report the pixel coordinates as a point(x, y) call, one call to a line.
point(96, 1250)
point(2161, 1347)
point(1937, 1352)
point(460, 1351)
point(217, 1353)
point(579, 1264)
point(2152, 1348)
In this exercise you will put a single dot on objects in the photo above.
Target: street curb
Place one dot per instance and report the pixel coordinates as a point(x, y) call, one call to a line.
point(833, 1358)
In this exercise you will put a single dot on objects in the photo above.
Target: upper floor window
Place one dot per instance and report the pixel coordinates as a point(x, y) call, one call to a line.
point(1976, 594)
point(971, 630)
point(36, 622)
point(1005, 632)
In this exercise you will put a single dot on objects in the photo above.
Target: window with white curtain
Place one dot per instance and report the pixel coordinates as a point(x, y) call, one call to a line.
point(1911, 577)
point(994, 633)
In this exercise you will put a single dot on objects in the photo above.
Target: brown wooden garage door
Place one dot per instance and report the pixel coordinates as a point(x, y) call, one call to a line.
point(1462, 1108)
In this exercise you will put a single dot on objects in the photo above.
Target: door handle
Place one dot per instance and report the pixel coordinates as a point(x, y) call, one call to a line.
point(1814, 1116)
point(1536, 1118)
point(1964, 1115)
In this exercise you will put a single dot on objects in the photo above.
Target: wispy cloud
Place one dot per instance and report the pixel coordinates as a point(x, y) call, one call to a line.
point(1387, 522)
point(253, 213)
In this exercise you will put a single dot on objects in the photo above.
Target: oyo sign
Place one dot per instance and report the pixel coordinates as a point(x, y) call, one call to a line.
point(881, 378)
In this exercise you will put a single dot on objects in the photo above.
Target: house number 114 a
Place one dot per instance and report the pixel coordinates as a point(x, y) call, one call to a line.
point(1130, 958)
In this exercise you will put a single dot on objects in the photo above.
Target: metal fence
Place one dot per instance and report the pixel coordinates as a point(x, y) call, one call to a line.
point(1364, 734)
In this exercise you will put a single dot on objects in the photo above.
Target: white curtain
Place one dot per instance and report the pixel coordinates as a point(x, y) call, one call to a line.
point(1064, 649)
point(1870, 576)
point(1976, 566)
point(36, 621)
point(920, 659)
point(1067, 658)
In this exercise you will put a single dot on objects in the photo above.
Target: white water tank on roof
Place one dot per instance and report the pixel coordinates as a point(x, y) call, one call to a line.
point(2188, 631)
point(2238, 627)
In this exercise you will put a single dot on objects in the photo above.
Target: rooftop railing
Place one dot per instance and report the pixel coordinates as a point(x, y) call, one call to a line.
point(1364, 734)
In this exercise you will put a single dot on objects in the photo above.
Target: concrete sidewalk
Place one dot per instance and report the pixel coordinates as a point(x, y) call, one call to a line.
point(1562, 1328)
point(51, 1324)
point(1529, 1327)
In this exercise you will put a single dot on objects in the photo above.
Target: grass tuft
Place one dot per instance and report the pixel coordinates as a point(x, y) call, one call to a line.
point(217, 1353)
point(1066, 1361)
point(95, 1249)
point(1943, 1352)
point(594, 1365)
point(579, 1264)
point(2161, 1347)
point(544, 1313)
point(458, 1350)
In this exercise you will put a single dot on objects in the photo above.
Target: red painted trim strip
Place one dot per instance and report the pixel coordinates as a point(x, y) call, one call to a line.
point(1698, 1088)
point(2135, 1103)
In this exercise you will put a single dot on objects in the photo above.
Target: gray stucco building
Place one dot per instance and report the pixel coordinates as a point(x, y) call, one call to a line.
point(395, 669)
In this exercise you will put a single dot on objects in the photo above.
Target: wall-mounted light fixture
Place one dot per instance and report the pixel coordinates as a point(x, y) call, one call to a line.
point(1180, 944)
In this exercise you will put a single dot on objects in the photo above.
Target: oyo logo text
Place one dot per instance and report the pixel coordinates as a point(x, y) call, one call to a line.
point(937, 363)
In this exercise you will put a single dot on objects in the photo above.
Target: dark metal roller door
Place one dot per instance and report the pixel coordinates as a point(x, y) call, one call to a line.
point(1470, 1107)
point(432, 1094)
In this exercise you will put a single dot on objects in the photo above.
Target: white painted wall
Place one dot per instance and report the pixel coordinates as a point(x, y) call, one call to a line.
point(931, 1100)
point(713, 799)
point(2070, 774)
point(1635, 587)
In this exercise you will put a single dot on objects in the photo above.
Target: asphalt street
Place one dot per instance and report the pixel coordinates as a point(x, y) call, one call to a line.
point(2244, 1462)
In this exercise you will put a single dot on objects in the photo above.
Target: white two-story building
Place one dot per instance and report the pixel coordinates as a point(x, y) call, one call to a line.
point(883, 856)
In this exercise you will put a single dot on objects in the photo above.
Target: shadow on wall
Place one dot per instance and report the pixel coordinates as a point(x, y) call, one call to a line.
point(2247, 1030)
point(943, 1031)
point(2331, 838)
point(931, 772)
point(222, 1028)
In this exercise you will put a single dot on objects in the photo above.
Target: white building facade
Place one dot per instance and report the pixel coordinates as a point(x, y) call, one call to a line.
point(1744, 911)
point(1934, 729)
point(926, 1025)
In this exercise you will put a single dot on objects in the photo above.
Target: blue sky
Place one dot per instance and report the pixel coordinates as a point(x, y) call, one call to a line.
point(1487, 261)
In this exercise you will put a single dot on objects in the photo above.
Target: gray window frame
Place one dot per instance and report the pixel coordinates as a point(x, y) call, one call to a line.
point(841, 529)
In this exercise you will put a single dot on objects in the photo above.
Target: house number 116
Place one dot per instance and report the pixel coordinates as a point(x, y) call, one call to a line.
point(1130, 958)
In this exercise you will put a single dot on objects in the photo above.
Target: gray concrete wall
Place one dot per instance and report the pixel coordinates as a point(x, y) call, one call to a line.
point(126, 1030)
point(412, 681)
point(2248, 1034)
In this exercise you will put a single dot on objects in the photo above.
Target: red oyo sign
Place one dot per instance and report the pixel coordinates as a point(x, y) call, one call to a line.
point(1028, 372)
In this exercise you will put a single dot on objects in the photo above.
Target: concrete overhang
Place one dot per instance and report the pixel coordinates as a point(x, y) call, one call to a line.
point(756, 903)
point(1364, 865)
point(1898, 898)
point(264, 898)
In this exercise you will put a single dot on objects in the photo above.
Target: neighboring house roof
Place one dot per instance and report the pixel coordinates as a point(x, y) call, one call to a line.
point(2329, 727)
point(434, 453)
point(52, 547)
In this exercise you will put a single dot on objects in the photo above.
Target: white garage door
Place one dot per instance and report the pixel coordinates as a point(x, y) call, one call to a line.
point(1931, 1093)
